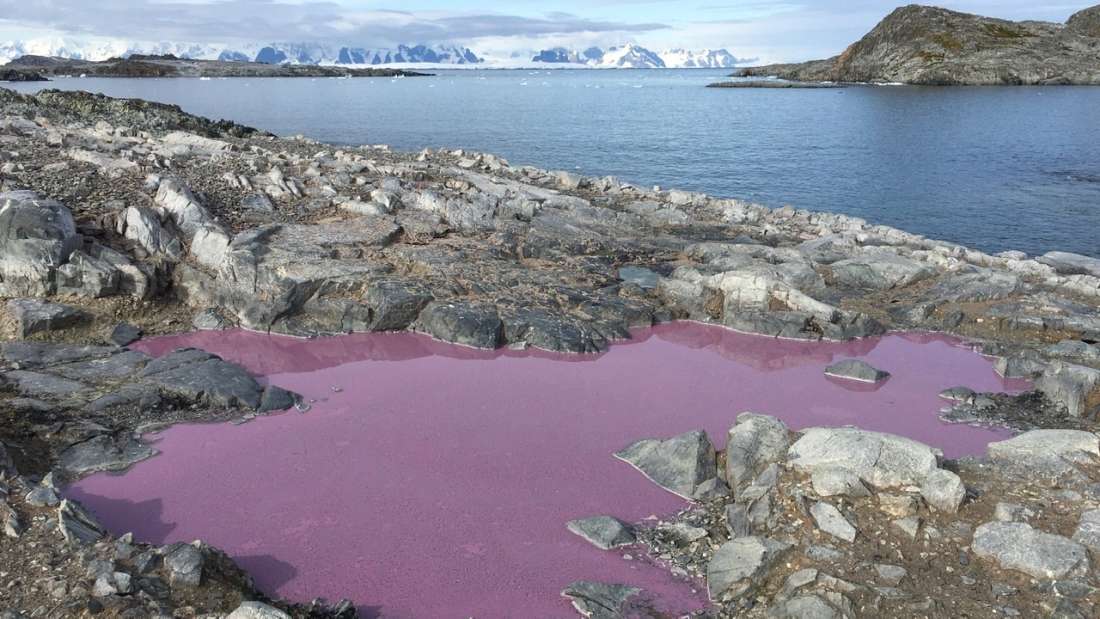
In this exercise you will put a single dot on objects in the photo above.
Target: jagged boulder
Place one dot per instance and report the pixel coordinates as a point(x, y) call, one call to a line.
point(1074, 387)
point(685, 465)
point(37, 235)
point(753, 443)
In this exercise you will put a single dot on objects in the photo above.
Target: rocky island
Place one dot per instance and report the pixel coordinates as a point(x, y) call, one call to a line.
point(125, 218)
point(170, 66)
point(925, 45)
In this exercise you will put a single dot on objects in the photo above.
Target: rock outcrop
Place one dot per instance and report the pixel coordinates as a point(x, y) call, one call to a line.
point(933, 46)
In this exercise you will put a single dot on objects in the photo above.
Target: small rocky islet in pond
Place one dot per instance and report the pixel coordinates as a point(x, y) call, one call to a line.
point(132, 211)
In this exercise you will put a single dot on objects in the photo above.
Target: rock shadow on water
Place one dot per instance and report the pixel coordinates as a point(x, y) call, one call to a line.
point(145, 519)
point(857, 386)
point(269, 572)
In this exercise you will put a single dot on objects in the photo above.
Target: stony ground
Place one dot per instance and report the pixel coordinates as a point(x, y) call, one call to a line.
point(129, 212)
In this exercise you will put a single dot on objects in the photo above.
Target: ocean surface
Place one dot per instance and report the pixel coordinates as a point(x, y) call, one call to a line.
point(993, 168)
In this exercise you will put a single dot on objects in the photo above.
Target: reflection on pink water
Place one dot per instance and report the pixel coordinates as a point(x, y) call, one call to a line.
point(435, 481)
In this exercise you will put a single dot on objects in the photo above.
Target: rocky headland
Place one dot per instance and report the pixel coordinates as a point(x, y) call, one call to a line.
point(932, 46)
point(171, 66)
point(120, 219)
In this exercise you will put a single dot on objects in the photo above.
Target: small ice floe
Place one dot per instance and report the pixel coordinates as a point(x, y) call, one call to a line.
point(337, 389)
point(204, 79)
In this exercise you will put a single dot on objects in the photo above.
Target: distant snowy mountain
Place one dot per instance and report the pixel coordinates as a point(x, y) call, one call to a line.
point(637, 57)
point(704, 59)
point(274, 53)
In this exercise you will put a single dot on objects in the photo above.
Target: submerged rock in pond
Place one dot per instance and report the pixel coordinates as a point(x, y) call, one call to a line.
point(853, 369)
point(683, 464)
point(600, 600)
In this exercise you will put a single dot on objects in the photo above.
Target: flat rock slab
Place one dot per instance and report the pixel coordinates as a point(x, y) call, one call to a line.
point(1066, 263)
point(682, 465)
point(882, 460)
point(1017, 546)
point(829, 519)
point(603, 532)
point(35, 316)
point(854, 369)
point(1046, 452)
point(599, 600)
point(201, 376)
point(104, 453)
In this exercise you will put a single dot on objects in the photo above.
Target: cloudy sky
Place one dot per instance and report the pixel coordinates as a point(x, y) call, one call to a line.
point(772, 30)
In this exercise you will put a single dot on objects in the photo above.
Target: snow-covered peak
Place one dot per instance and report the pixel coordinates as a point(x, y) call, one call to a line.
point(707, 58)
point(632, 57)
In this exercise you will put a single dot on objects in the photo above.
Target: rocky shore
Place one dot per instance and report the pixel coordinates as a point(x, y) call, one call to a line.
point(932, 46)
point(171, 66)
point(126, 218)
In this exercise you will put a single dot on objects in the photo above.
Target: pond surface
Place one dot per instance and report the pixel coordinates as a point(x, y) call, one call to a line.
point(431, 480)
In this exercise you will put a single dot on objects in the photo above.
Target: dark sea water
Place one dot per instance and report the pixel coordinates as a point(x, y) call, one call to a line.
point(993, 168)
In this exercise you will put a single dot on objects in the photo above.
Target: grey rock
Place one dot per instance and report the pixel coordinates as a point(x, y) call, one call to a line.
point(210, 319)
point(890, 574)
point(943, 490)
point(257, 610)
point(463, 323)
point(1047, 453)
point(103, 587)
point(737, 520)
point(37, 236)
point(143, 227)
point(829, 481)
point(85, 275)
point(123, 364)
point(1017, 546)
point(958, 394)
point(604, 532)
point(1074, 387)
point(808, 606)
point(9, 520)
point(599, 600)
point(854, 369)
point(276, 398)
point(1012, 512)
point(880, 270)
point(1088, 531)
point(125, 334)
point(639, 276)
point(43, 496)
point(909, 526)
point(184, 563)
point(829, 519)
point(35, 316)
point(395, 303)
point(43, 386)
point(881, 460)
point(1065, 263)
point(123, 582)
point(737, 565)
point(31, 355)
point(752, 444)
point(823, 553)
point(77, 525)
point(203, 377)
point(104, 453)
point(1018, 366)
point(681, 465)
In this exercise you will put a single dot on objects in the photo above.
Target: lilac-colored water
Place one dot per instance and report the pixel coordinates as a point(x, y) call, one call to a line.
point(430, 480)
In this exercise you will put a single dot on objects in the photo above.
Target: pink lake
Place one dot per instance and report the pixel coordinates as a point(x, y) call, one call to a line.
point(431, 480)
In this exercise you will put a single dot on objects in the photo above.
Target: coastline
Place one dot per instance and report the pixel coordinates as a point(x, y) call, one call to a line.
point(182, 221)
